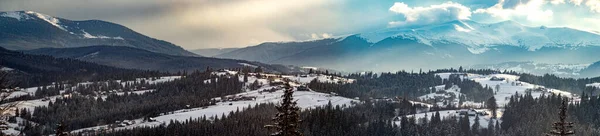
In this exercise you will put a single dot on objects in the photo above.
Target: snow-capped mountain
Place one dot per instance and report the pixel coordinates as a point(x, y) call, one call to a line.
point(23, 30)
point(449, 44)
point(480, 37)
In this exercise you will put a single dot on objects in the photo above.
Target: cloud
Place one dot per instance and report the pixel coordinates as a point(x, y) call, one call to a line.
point(594, 5)
point(531, 10)
point(444, 12)
point(576, 2)
point(320, 36)
point(556, 2)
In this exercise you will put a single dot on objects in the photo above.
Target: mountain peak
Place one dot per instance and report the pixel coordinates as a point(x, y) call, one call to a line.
point(26, 15)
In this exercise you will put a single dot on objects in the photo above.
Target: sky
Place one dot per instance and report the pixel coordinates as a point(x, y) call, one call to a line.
point(195, 24)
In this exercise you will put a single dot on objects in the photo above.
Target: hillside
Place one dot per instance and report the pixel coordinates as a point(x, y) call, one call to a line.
point(31, 70)
point(212, 51)
point(133, 58)
point(25, 30)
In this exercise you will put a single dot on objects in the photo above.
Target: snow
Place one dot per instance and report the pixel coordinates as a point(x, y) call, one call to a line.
point(461, 29)
point(52, 20)
point(313, 68)
point(14, 14)
point(248, 65)
point(483, 119)
point(5, 69)
point(562, 70)
point(89, 36)
point(224, 72)
point(305, 79)
point(593, 85)
point(480, 37)
point(13, 127)
point(305, 100)
point(40, 102)
point(508, 87)
point(452, 91)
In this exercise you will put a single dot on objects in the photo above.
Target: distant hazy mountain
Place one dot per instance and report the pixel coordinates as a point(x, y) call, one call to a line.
point(212, 51)
point(591, 71)
point(133, 58)
point(450, 44)
point(562, 70)
point(23, 30)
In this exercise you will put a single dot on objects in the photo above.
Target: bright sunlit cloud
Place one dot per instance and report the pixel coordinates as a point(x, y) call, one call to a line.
point(444, 12)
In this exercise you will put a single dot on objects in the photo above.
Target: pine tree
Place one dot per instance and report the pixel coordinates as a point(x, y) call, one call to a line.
point(492, 106)
point(490, 127)
point(562, 127)
point(287, 119)
point(61, 130)
point(497, 127)
point(475, 127)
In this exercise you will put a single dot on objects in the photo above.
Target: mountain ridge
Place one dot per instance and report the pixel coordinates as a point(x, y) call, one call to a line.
point(32, 30)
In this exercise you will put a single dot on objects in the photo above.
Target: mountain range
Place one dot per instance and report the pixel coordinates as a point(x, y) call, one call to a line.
point(443, 45)
point(502, 45)
point(25, 30)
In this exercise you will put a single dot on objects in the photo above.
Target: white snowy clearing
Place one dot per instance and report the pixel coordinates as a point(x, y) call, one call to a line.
point(88, 35)
point(5, 69)
point(508, 85)
point(305, 99)
point(597, 85)
point(305, 79)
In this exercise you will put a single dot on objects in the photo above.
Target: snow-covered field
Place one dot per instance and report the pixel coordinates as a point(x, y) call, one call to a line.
point(507, 88)
point(305, 99)
point(594, 85)
point(305, 79)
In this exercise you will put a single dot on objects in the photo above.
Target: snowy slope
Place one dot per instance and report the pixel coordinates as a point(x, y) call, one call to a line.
point(508, 87)
point(481, 37)
point(305, 99)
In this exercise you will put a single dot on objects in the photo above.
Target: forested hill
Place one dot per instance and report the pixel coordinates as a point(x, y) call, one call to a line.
point(134, 58)
point(33, 70)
